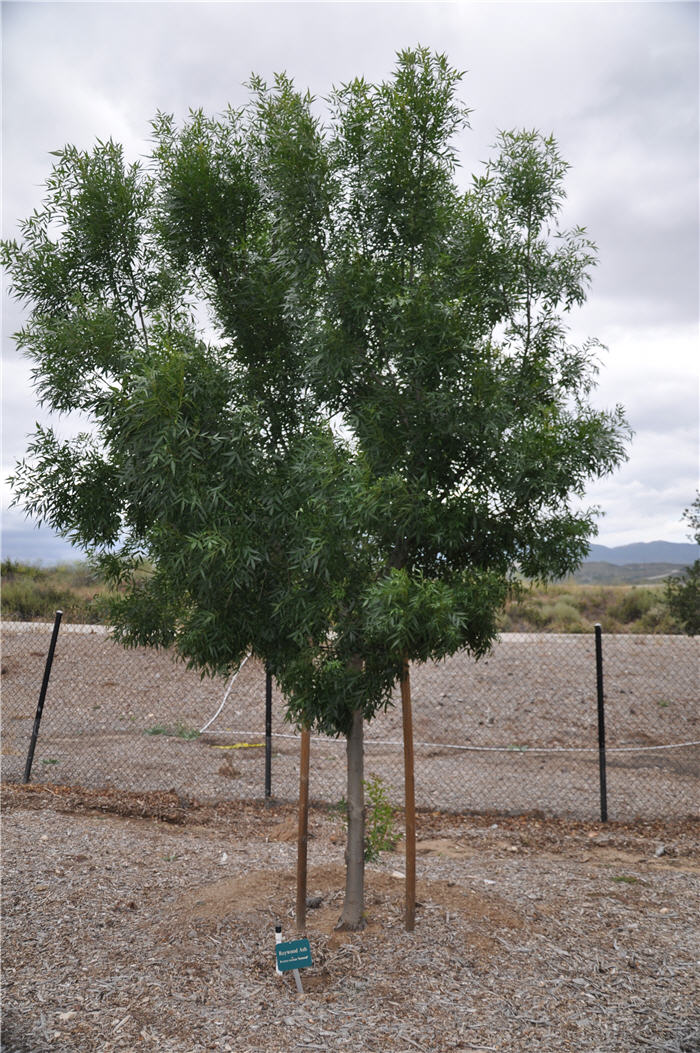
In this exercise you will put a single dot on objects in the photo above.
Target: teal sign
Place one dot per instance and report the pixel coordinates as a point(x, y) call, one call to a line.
point(296, 954)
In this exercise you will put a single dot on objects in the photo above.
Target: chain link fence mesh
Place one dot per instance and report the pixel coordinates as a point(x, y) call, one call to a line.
point(515, 732)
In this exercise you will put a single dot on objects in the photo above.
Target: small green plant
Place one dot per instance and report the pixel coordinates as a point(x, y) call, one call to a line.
point(183, 731)
point(662, 703)
point(380, 834)
point(626, 878)
point(180, 731)
point(50, 760)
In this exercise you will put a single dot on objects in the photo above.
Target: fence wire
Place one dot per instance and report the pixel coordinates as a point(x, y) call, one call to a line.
point(515, 732)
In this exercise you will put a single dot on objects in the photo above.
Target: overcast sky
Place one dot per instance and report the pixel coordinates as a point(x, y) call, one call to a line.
point(617, 84)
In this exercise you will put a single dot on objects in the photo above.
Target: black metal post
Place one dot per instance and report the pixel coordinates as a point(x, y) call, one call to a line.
point(42, 696)
point(268, 732)
point(601, 723)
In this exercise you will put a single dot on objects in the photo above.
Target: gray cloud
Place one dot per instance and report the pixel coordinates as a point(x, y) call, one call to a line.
point(616, 83)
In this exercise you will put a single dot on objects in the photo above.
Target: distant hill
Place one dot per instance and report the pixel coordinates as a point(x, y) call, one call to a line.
point(593, 572)
point(675, 553)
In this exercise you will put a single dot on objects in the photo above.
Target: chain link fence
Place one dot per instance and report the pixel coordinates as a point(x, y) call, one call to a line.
point(515, 732)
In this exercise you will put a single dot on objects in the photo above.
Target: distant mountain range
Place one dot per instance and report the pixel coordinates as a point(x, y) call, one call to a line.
point(646, 562)
point(32, 545)
point(673, 552)
point(593, 573)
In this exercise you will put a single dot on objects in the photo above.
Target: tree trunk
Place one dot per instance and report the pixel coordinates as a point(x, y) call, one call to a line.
point(303, 831)
point(409, 797)
point(352, 917)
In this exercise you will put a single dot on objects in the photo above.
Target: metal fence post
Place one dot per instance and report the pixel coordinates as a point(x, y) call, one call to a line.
point(601, 723)
point(268, 732)
point(42, 696)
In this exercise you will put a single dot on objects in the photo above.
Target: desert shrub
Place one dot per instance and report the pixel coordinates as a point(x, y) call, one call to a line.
point(76, 575)
point(633, 606)
point(522, 617)
point(25, 601)
point(571, 607)
point(565, 614)
point(560, 616)
point(33, 593)
point(659, 619)
point(12, 569)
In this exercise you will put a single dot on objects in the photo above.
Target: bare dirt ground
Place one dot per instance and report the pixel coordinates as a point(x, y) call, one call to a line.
point(143, 921)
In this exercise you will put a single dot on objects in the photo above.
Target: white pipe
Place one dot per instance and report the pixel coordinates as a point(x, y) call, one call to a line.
point(226, 694)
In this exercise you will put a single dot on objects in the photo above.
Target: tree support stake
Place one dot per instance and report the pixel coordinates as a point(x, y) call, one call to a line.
point(409, 797)
point(303, 833)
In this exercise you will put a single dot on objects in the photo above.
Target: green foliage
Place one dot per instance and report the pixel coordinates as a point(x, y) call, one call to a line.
point(382, 424)
point(381, 834)
point(179, 730)
point(683, 593)
point(380, 427)
point(683, 599)
point(75, 589)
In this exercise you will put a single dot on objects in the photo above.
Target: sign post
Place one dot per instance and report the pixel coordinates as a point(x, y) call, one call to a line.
point(292, 956)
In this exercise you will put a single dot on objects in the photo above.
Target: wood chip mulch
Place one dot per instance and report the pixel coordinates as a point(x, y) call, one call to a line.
point(146, 921)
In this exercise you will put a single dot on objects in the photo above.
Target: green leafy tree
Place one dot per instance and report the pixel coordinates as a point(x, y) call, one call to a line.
point(334, 408)
point(683, 592)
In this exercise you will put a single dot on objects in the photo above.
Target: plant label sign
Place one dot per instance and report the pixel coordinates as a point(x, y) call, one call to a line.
point(295, 954)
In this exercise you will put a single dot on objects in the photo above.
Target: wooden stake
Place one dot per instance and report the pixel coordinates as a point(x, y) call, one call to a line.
point(303, 834)
point(410, 798)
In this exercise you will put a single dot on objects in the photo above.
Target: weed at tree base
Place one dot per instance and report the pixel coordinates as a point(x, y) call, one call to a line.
point(380, 832)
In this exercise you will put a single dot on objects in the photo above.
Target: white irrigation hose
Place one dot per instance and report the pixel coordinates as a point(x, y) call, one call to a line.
point(535, 749)
point(323, 739)
point(226, 694)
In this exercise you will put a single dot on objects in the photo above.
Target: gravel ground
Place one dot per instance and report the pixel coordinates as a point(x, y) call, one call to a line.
point(142, 921)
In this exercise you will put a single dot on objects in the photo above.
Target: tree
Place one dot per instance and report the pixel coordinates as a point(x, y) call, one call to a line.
point(683, 592)
point(379, 426)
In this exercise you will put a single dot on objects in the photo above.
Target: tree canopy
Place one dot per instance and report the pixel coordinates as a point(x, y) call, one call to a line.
point(335, 411)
